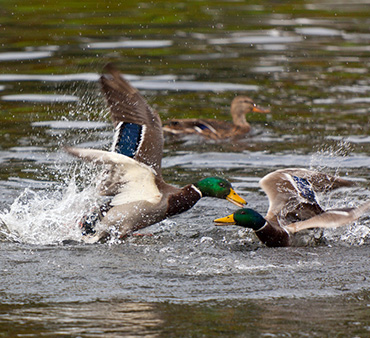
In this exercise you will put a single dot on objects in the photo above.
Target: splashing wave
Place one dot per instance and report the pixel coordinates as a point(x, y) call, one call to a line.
point(47, 216)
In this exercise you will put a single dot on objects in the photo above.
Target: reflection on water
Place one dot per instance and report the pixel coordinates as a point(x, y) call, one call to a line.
point(40, 98)
point(164, 82)
point(51, 78)
point(114, 319)
point(129, 44)
point(272, 37)
point(278, 318)
point(343, 316)
point(12, 56)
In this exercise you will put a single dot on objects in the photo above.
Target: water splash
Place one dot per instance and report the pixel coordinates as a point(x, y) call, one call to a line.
point(357, 233)
point(335, 154)
point(48, 216)
point(51, 215)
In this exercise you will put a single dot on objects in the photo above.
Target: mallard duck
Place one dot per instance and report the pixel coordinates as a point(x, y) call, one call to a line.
point(216, 129)
point(139, 195)
point(294, 207)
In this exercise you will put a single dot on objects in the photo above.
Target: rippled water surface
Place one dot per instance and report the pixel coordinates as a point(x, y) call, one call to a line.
point(307, 61)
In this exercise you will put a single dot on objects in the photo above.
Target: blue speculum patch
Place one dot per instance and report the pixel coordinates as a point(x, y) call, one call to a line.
point(202, 126)
point(128, 140)
point(305, 188)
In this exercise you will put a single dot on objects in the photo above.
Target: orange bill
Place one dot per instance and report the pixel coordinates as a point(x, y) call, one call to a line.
point(257, 109)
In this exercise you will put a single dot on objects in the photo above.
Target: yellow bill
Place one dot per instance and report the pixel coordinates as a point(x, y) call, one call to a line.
point(234, 198)
point(228, 220)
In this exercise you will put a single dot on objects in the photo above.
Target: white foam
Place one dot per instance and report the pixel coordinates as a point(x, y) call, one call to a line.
point(47, 216)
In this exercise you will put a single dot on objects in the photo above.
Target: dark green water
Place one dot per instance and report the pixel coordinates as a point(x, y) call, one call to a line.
point(307, 61)
point(278, 318)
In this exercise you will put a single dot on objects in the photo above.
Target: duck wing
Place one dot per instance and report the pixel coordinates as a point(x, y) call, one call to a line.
point(331, 218)
point(138, 127)
point(292, 193)
point(190, 126)
point(208, 128)
point(128, 180)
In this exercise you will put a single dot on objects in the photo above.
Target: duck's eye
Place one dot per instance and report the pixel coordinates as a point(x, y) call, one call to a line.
point(222, 184)
point(242, 212)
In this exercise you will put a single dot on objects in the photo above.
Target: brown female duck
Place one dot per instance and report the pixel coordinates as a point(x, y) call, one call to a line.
point(216, 129)
point(132, 177)
point(294, 206)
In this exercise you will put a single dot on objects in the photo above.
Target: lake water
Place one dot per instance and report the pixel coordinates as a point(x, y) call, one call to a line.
point(307, 61)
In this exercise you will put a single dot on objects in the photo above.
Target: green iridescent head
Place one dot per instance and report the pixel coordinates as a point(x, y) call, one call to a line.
point(244, 217)
point(219, 188)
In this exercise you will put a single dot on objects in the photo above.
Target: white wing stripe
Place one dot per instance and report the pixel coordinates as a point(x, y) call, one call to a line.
point(142, 136)
point(116, 136)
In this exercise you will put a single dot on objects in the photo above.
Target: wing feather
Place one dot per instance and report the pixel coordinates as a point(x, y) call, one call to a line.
point(292, 193)
point(331, 218)
point(133, 181)
point(127, 105)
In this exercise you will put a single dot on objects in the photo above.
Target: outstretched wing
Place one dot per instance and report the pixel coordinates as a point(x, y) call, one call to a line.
point(331, 218)
point(128, 180)
point(292, 193)
point(138, 127)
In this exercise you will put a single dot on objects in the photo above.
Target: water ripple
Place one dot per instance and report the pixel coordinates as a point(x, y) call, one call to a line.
point(193, 86)
point(50, 78)
point(260, 160)
point(13, 56)
point(343, 101)
point(160, 82)
point(71, 124)
point(271, 37)
point(40, 98)
point(129, 44)
point(318, 31)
